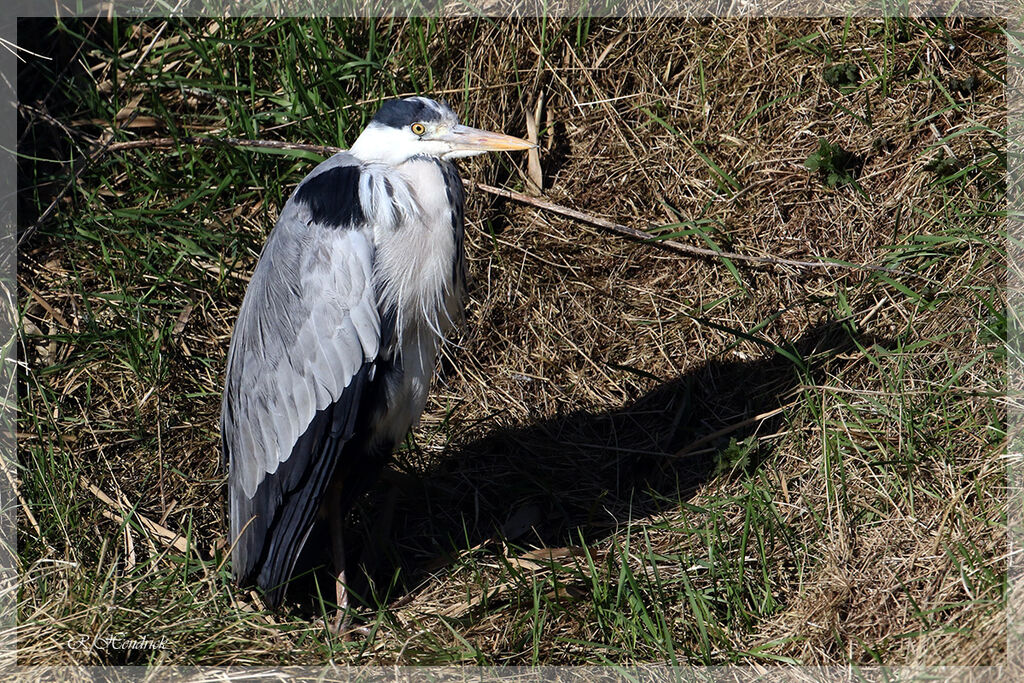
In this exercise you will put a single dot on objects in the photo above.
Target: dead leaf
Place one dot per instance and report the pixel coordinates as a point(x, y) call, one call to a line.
point(534, 175)
point(179, 325)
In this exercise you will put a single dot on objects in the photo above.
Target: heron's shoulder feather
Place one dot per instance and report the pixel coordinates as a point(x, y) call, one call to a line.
point(344, 192)
point(330, 193)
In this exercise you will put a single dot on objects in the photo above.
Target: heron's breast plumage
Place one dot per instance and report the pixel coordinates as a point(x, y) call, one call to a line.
point(418, 277)
point(413, 267)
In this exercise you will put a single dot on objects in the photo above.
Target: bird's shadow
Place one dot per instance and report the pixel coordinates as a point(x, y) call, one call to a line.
point(577, 477)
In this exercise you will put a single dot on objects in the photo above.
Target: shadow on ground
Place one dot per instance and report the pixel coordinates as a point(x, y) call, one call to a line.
point(578, 477)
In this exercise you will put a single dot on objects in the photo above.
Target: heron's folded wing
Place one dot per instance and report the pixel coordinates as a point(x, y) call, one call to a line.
point(301, 358)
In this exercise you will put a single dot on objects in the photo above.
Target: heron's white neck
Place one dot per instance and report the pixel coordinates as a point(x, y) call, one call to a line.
point(376, 144)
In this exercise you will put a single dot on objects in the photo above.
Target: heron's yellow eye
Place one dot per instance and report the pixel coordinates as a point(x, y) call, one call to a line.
point(418, 129)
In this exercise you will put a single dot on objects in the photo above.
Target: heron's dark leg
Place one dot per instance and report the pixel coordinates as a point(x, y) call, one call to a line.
point(336, 522)
point(381, 525)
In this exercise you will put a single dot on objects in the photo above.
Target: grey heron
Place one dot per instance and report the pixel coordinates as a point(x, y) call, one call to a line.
point(338, 333)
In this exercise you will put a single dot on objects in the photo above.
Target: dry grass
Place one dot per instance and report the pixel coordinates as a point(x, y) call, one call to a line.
point(600, 401)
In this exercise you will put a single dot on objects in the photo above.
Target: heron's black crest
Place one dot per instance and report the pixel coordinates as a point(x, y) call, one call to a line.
point(400, 113)
point(333, 197)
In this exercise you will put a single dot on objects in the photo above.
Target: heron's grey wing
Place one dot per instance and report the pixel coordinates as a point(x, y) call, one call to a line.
point(301, 357)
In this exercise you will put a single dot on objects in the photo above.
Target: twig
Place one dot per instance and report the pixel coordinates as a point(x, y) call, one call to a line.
point(60, 77)
point(689, 449)
point(197, 141)
point(29, 111)
point(640, 235)
point(95, 156)
point(166, 535)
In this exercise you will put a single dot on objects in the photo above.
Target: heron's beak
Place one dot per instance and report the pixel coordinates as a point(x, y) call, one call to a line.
point(475, 141)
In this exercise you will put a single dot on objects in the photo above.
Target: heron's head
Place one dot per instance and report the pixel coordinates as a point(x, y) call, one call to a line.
point(418, 126)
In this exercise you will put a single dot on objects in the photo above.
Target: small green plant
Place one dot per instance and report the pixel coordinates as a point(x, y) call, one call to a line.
point(842, 74)
point(881, 144)
point(735, 457)
point(964, 86)
point(943, 166)
point(836, 165)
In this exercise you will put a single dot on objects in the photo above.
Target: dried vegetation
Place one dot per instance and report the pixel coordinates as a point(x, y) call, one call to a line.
point(631, 455)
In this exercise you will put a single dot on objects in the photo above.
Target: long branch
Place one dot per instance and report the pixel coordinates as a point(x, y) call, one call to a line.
point(640, 235)
point(551, 207)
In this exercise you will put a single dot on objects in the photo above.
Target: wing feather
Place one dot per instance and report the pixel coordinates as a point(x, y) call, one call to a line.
point(299, 367)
